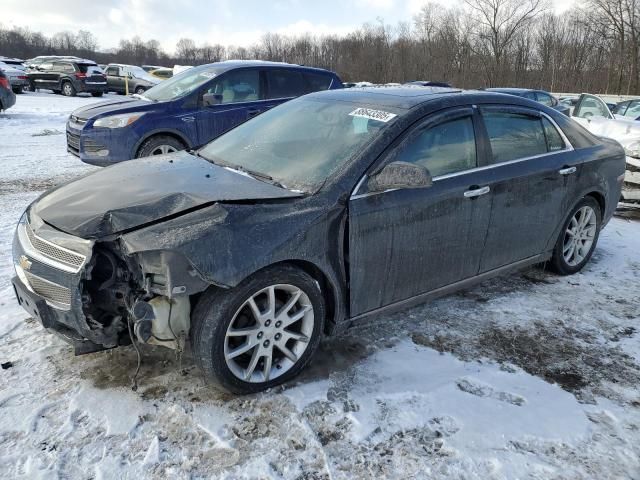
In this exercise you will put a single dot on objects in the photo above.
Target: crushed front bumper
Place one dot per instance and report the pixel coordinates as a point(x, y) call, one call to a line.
point(54, 320)
point(49, 267)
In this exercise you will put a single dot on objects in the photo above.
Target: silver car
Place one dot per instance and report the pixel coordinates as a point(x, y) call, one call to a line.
point(15, 71)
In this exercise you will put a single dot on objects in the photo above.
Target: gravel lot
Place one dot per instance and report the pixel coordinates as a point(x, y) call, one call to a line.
point(531, 376)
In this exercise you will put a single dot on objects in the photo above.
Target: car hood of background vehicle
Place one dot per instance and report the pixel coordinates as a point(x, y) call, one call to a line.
point(138, 192)
point(113, 107)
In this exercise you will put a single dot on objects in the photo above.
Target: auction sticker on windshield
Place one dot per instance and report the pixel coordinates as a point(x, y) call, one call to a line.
point(371, 114)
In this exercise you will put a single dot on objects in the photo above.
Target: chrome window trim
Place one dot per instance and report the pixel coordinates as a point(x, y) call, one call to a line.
point(568, 148)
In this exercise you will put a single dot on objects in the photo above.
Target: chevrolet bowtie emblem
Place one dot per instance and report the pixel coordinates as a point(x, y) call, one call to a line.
point(25, 263)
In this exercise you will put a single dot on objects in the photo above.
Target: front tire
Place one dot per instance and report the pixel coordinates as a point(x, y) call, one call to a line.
point(261, 333)
point(139, 91)
point(96, 94)
point(578, 238)
point(159, 145)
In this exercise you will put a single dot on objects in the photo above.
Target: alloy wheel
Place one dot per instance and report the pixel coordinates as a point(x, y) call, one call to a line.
point(579, 236)
point(163, 149)
point(269, 333)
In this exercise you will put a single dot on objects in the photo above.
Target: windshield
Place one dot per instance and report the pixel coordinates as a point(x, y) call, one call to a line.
point(182, 84)
point(300, 143)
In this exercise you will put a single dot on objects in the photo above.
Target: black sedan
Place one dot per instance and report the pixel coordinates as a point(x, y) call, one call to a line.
point(319, 213)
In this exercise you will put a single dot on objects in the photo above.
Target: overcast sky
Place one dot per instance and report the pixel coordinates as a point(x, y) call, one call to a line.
point(229, 22)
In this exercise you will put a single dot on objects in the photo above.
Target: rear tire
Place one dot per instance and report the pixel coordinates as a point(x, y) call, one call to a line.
point(225, 322)
point(68, 90)
point(159, 145)
point(578, 237)
point(17, 90)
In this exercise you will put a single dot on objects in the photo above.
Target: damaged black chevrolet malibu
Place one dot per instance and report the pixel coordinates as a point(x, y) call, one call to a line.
point(321, 212)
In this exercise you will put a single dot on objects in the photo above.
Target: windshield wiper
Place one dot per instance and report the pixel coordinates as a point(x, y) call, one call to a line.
point(263, 177)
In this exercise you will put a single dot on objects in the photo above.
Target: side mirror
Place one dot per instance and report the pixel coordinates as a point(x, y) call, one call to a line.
point(400, 175)
point(210, 99)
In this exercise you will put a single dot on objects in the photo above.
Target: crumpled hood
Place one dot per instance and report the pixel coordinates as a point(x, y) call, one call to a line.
point(137, 192)
point(113, 107)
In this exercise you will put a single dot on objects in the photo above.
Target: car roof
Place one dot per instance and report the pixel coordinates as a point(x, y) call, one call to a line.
point(10, 59)
point(403, 96)
point(409, 96)
point(512, 90)
point(231, 64)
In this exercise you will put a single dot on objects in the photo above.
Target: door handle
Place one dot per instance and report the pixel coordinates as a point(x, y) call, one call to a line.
point(476, 192)
point(188, 119)
point(253, 112)
point(567, 170)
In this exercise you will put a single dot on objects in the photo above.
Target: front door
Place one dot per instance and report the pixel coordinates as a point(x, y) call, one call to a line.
point(410, 241)
point(240, 95)
point(531, 171)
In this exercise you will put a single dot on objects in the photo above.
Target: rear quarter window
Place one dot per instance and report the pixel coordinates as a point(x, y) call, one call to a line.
point(578, 136)
point(317, 81)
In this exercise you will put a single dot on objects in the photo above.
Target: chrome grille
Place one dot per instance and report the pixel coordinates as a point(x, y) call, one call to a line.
point(55, 252)
point(49, 290)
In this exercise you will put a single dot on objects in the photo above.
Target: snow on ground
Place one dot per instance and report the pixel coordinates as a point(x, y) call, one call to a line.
point(533, 376)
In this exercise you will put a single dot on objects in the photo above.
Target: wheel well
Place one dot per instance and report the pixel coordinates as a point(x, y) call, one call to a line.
point(600, 199)
point(161, 134)
point(325, 287)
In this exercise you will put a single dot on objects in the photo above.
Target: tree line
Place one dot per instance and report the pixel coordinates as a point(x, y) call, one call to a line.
point(593, 47)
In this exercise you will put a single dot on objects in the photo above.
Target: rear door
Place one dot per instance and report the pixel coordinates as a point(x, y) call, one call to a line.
point(241, 96)
point(45, 76)
point(531, 171)
point(406, 242)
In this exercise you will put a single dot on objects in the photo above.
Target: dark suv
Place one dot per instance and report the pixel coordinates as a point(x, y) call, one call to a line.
point(188, 110)
point(68, 76)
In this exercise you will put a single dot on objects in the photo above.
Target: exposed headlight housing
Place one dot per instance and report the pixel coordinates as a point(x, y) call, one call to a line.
point(633, 149)
point(117, 121)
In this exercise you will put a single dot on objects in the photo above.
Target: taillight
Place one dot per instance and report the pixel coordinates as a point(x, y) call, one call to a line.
point(22, 77)
point(4, 83)
point(80, 75)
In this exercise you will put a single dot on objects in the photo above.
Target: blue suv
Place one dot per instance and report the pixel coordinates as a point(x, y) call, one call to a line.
point(188, 110)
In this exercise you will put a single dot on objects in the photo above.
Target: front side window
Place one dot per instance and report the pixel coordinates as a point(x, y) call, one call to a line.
point(300, 143)
point(591, 106)
point(237, 86)
point(442, 149)
point(514, 135)
point(285, 83)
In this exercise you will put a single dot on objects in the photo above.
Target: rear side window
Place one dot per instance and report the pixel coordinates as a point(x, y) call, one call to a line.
point(448, 147)
point(317, 82)
point(285, 83)
point(633, 111)
point(113, 71)
point(555, 142)
point(63, 67)
point(514, 135)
